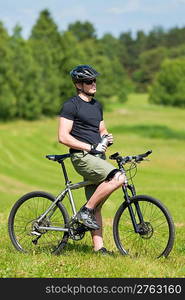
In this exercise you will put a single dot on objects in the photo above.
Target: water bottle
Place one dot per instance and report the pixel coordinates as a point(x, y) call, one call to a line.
point(104, 140)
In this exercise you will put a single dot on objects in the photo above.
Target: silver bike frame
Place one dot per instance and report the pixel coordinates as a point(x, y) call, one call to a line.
point(60, 197)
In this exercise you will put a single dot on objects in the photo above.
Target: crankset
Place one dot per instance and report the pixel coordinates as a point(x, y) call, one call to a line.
point(77, 230)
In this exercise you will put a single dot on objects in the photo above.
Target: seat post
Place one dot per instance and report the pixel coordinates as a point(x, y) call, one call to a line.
point(64, 171)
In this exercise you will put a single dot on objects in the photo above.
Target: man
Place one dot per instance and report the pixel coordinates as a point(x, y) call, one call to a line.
point(81, 127)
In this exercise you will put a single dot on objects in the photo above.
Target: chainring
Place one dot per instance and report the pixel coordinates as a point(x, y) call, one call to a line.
point(77, 230)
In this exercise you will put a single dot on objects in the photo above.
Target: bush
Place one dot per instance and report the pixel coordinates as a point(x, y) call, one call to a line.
point(149, 64)
point(169, 85)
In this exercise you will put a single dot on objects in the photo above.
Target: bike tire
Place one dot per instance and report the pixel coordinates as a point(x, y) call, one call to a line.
point(20, 224)
point(161, 230)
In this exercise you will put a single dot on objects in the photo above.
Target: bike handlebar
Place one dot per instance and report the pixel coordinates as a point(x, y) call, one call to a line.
point(126, 159)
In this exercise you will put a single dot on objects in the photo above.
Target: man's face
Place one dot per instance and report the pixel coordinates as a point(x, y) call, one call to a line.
point(88, 86)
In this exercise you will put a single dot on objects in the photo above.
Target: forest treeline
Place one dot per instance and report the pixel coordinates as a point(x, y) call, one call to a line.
point(34, 72)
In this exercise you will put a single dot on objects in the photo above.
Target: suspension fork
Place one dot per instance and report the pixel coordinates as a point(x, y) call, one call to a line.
point(139, 213)
point(132, 215)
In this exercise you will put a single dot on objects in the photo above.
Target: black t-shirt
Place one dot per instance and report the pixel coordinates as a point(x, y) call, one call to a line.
point(86, 116)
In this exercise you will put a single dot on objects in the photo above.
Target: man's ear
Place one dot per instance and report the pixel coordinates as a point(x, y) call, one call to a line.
point(79, 86)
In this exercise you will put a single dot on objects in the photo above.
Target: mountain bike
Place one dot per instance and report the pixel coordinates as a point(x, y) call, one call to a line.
point(142, 224)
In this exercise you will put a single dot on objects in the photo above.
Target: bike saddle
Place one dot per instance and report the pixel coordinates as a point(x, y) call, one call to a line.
point(58, 157)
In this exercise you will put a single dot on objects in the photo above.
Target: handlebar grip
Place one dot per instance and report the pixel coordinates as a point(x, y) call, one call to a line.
point(148, 152)
point(141, 156)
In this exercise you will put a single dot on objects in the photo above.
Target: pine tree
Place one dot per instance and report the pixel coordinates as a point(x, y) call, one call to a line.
point(7, 97)
point(82, 31)
point(26, 81)
point(45, 42)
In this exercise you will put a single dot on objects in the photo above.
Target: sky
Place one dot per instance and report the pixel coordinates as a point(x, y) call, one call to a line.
point(107, 16)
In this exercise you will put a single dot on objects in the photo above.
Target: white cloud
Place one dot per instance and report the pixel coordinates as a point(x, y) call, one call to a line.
point(129, 6)
point(27, 11)
point(146, 6)
point(76, 12)
point(180, 1)
point(177, 3)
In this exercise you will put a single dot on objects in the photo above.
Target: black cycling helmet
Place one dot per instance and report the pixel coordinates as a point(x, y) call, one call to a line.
point(82, 73)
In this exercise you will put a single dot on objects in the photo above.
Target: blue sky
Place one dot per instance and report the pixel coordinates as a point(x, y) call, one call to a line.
point(113, 16)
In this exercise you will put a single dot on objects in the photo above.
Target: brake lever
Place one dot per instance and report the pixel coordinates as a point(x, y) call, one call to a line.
point(127, 159)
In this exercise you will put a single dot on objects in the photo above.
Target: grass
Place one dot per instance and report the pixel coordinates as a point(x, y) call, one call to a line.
point(150, 131)
point(137, 127)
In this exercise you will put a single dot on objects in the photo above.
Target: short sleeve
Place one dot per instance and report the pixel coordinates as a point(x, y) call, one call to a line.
point(68, 110)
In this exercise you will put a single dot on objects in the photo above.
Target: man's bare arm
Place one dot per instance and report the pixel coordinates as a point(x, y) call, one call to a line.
point(64, 136)
point(103, 130)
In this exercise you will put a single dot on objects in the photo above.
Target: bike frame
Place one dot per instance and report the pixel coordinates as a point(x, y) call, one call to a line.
point(69, 187)
point(73, 186)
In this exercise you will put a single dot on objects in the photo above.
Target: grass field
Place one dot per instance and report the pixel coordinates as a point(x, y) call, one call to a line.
point(137, 127)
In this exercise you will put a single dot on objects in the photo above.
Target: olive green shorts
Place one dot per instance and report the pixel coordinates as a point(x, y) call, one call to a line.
point(92, 168)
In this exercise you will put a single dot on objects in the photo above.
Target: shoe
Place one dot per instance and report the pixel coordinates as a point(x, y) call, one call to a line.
point(86, 216)
point(104, 251)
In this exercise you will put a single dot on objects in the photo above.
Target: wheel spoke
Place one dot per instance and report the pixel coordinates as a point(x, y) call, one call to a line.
point(23, 225)
point(156, 231)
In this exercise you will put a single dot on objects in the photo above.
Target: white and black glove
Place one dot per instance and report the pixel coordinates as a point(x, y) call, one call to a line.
point(98, 149)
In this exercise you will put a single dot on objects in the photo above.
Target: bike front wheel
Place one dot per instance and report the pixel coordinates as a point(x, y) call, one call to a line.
point(23, 220)
point(156, 230)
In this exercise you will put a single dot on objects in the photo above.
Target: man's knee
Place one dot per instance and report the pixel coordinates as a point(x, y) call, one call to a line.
point(119, 178)
point(116, 177)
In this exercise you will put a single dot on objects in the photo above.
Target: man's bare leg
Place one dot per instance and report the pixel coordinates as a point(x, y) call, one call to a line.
point(97, 235)
point(105, 189)
point(99, 197)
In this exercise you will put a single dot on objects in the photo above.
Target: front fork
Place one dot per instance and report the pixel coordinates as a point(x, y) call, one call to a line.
point(138, 210)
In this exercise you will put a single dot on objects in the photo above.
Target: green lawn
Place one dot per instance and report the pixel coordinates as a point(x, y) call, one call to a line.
point(137, 127)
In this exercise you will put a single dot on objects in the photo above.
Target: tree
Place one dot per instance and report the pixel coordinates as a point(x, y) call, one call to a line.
point(7, 97)
point(169, 86)
point(26, 80)
point(128, 58)
point(113, 80)
point(175, 37)
point(149, 63)
point(82, 31)
point(45, 41)
point(73, 55)
point(140, 42)
point(19, 81)
point(112, 47)
point(155, 38)
point(176, 52)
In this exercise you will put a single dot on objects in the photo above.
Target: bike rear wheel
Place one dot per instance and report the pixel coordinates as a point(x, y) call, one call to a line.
point(157, 232)
point(23, 220)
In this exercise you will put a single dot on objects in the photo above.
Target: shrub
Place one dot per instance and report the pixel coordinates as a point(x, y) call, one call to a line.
point(169, 85)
